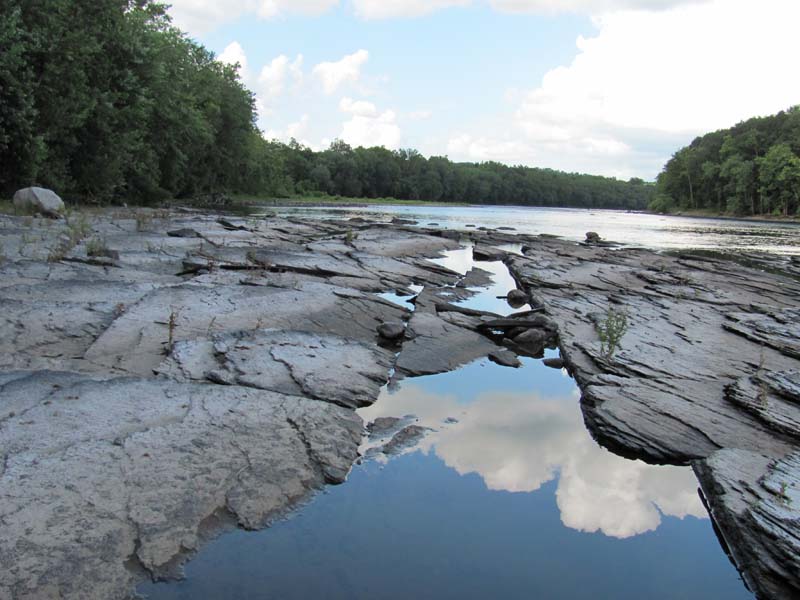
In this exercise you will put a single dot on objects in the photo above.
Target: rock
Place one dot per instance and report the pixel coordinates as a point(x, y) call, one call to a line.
point(533, 341)
point(505, 358)
point(383, 425)
point(488, 254)
point(406, 438)
point(554, 363)
point(391, 330)
point(593, 237)
point(41, 200)
point(516, 298)
point(436, 346)
point(400, 221)
point(184, 232)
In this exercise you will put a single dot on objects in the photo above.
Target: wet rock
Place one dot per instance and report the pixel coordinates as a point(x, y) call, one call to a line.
point(39, 200)
point(392, 330)
point(505, 358)
point(401, 221)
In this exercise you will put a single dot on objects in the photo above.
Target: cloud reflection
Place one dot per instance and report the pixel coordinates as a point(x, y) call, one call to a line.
point(518, 442)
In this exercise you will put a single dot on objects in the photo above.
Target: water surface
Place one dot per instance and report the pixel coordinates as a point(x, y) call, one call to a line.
point(658, 232)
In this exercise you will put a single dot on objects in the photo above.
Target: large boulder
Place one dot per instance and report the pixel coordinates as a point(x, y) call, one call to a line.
point(41, 200)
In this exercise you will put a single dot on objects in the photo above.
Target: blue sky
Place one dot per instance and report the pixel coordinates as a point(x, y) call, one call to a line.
point(601, 86)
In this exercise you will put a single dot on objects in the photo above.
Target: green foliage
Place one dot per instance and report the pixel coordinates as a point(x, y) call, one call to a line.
point(96, 247)
point(611, 331)
point(752, 168)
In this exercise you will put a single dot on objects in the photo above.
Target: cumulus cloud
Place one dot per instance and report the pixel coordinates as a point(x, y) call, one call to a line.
point(519, 442)
point(276, 75)
point(385, 9)
point(647, 83)
point(233, 54)
point(592, 7)
point(368, 126)
point(200, 16)
point(346, 70)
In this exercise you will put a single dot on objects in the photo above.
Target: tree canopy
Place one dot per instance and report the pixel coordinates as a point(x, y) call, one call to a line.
point(750, 169)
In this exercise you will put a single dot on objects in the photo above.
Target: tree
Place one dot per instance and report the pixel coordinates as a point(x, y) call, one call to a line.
point(780, 178)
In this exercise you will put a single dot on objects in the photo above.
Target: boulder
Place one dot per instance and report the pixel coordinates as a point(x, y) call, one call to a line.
point(391, 330)
point(554, 363)
point(41, 200)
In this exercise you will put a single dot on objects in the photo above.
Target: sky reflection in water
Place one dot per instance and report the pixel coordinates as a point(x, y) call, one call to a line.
point(513, 501)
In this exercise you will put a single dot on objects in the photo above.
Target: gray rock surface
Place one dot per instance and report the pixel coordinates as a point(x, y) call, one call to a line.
point(705, 374)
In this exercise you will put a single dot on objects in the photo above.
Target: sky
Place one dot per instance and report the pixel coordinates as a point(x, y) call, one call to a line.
point(609, 87)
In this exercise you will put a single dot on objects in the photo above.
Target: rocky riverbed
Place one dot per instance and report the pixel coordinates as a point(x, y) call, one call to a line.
point(165, 375)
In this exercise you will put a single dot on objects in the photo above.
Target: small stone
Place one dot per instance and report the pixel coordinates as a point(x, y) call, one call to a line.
point(516, 298)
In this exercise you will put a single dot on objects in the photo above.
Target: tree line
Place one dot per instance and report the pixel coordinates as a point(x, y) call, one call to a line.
point(750, 169)
point(107, 101)
point(405, 174)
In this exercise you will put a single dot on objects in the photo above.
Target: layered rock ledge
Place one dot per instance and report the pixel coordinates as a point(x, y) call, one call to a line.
point(165, 375)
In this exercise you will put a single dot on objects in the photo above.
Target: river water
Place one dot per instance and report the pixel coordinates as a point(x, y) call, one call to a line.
point(658, 232)
point(507, 496)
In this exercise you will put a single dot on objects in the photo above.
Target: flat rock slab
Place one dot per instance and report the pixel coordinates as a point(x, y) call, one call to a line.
point(324, 367)
point(436, 346)
point(166, 459)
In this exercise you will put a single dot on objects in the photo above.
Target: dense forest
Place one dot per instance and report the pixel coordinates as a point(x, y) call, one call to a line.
point(106, 101)
point(750, 169)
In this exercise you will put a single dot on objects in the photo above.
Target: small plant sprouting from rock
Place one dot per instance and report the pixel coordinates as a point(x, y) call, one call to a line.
point(96, 247)
point(611, 330)
point(350, 237)
point(784, 497)
point(172, 324)
point(763, 390)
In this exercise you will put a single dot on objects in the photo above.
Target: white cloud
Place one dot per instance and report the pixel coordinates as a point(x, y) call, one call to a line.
point(361, 108)
point(519, 442)
point(234, 53)
point(274, 77)
point(368, 127)
point(385, 9)
point(646, 84)
point(591, 7)
point(200, 16)
point(346, 70)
